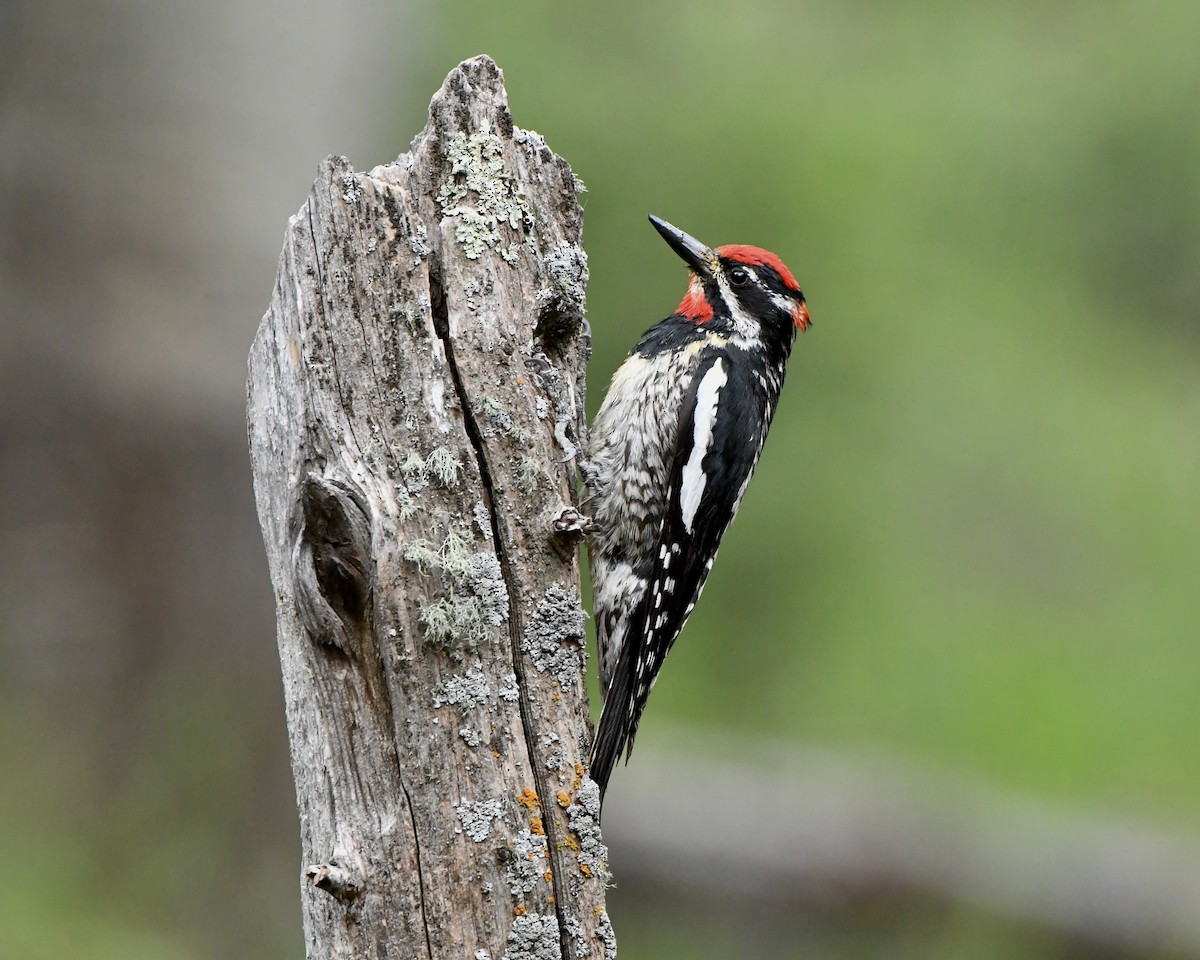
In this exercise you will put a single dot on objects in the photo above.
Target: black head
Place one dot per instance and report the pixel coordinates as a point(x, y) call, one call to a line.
point(737, 282)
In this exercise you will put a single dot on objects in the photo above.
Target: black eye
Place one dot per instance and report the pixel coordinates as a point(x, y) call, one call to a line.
point(739, 277)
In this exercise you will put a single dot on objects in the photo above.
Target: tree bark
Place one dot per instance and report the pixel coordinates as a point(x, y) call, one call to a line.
point(415, 391)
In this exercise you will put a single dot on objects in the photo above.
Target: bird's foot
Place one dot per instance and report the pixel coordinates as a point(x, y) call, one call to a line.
point(571, 521)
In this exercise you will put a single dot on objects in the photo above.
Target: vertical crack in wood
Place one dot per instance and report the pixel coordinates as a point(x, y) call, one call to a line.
point(516, 625)
point(346, 351)
point(412, 818)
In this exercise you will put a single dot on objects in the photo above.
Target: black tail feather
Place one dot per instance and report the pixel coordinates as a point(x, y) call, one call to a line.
point(615, 721)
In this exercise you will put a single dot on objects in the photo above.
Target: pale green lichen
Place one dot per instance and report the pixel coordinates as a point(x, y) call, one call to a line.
point(476, 600)
point(475, 233)
point(452, 619)
point(416, 478)
point(413, 463)
point(407, 504)
point(443, 465)
point(424, 554)
point(479, 194)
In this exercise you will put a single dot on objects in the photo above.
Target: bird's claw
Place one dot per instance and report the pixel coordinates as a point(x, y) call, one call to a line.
point(570, 520)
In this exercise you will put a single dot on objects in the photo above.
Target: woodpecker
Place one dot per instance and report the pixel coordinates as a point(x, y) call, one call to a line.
point(671, 452)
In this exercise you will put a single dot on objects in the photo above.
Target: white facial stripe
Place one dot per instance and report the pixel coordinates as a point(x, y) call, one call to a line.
point(786, 304)
point(692, 486)
point(744, 324)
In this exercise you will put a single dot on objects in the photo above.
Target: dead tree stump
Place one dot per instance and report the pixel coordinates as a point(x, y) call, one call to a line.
point(414, 394)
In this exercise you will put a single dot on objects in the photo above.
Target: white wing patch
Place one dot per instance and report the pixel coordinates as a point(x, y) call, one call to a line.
point(692, 486)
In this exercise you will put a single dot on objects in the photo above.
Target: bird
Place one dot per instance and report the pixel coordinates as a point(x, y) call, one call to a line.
point(670, 454)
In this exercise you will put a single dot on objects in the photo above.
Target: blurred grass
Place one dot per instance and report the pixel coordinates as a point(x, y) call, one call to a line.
point(151, 834)
point(974, 536)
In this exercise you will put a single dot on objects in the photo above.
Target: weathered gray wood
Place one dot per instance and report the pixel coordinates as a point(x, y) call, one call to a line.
point(414, 391)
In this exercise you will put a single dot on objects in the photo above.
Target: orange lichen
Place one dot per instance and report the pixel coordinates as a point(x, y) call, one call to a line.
point(519, 910)
point(548, 875)
point(535, 826)
point(570, 842)
point(564, 800)
point(583, 868)
point(528, 798)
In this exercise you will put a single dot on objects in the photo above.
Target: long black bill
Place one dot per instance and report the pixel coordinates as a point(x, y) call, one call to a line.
point(699, 258)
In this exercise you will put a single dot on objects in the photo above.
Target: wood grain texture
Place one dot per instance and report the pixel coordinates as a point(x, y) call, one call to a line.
point(415, 391)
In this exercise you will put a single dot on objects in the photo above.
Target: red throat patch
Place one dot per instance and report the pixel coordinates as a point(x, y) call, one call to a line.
point(694, 306)
point(757, 256)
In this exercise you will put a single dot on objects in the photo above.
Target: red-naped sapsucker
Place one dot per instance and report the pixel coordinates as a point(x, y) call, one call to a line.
point(670, 455)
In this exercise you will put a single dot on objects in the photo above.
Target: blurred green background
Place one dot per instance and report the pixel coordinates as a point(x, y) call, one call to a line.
point(973, 543)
